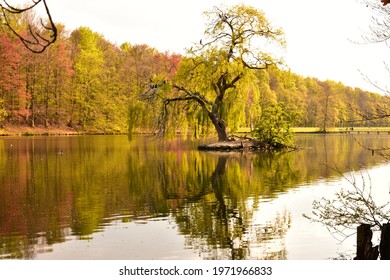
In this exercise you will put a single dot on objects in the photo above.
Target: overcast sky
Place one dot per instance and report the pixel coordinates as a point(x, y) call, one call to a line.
point(319, 33)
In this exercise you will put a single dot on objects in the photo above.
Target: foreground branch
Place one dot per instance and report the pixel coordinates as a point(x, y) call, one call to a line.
point(36, 40)
point(350, 209)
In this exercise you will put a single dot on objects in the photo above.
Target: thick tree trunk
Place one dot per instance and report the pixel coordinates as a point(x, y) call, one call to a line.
point(220, 127)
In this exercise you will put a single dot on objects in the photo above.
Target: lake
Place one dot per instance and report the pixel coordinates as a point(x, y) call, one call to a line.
point(105, 197)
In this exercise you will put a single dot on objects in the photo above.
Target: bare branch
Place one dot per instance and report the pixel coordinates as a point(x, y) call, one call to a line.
point(379, 30)
point(383, 152)
point(14, 10)
point(350, 208)
point(36, 40)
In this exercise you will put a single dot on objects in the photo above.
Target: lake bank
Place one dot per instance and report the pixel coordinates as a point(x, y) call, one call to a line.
point(317, 130)
point(50, 131)
point(29, 131)
point(65, 130)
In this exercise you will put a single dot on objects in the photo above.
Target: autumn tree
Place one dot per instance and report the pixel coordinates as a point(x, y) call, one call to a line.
point(12, 85)
point(218, 73)
point(57, 73)
point(61, 74)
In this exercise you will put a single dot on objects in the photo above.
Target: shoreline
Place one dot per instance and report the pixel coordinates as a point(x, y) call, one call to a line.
point(28, 131)
point(67, 131)
point(20, 131)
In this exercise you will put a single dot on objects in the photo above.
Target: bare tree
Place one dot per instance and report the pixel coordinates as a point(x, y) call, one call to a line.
point(35, 38)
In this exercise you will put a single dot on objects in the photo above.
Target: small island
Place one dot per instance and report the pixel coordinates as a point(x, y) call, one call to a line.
point(237, 145)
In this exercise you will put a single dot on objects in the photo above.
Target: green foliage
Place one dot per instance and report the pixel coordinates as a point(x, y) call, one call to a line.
point(273, 127)
point(88, 76)
point(234, 29)
point(218, 74)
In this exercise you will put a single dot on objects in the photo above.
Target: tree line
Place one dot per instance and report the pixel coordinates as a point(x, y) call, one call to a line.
point(89, 84)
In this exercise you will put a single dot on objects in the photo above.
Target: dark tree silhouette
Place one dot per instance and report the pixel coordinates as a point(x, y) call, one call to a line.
point(35, 38)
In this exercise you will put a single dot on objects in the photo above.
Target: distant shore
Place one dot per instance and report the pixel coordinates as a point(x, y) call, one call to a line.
point(53, 131)
point(29, 131)
point(318, 130)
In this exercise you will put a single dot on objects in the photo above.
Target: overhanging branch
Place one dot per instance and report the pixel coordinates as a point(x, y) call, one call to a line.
point(35, 41)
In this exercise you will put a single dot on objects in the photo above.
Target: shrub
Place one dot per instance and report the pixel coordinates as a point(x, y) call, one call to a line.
point(273, 127)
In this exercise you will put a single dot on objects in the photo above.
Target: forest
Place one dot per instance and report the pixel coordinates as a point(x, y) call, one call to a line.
point(88, 84)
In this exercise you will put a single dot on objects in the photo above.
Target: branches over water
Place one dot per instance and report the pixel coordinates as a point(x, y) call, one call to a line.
point(350, 208)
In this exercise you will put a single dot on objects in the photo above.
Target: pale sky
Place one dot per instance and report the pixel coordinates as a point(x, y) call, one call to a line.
point(318, 33)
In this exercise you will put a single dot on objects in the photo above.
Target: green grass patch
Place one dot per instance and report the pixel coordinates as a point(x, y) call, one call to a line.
point(305, 129)
point(246, 130)
point(342, 130)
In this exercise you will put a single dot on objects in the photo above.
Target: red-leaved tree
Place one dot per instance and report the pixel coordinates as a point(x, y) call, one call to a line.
point(12, 85)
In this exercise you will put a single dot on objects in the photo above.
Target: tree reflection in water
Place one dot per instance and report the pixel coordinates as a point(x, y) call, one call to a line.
point(219, 224)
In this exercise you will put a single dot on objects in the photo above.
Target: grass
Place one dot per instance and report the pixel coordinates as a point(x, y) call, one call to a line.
point(305, 129)
point(342, 130)
point(246, 130)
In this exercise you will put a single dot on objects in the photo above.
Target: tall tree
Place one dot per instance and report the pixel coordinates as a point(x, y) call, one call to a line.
point(217, 72)
point(57, 76)
point(140, 63)
point(13, 94)
point(88, 67)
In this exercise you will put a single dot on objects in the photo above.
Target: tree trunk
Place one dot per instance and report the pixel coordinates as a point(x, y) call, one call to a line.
point(326, 113)
point(220, 127)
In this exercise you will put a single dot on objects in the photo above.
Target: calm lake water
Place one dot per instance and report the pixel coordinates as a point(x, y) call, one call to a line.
point(104, 197)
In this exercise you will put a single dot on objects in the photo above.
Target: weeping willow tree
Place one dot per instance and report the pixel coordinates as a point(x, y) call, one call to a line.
point(216, 80)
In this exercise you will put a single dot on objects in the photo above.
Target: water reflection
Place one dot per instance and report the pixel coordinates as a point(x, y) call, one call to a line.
point(214, 200)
